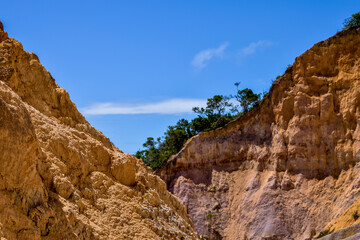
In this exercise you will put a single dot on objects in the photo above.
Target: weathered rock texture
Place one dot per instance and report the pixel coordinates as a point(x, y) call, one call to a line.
point(347, 225)
point(290, 166)
point(62, 179)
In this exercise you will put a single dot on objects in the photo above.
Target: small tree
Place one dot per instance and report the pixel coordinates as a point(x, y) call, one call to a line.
point(247, 98)
point(215, 115)
point(353, 21)
point(176, 136)
point(215, 105)
point(151, 154)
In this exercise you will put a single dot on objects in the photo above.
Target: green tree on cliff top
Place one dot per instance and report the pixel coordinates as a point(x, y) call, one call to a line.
point(353, 21)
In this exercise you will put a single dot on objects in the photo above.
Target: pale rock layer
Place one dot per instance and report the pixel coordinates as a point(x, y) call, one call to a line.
point(287, 168)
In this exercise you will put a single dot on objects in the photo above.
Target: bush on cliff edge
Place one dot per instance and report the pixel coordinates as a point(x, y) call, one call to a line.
point(353, 21)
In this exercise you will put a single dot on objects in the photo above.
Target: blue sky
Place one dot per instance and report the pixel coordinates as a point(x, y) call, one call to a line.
point(135, 67)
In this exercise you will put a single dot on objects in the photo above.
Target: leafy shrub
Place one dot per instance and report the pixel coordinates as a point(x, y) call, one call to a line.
point(353, 21)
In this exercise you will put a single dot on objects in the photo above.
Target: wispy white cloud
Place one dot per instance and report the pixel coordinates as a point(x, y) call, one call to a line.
point(254, 47)
point(171, 106)
point(202, 58)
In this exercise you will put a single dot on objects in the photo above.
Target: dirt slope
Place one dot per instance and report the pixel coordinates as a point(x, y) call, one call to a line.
point(62, 179)
point(288, 168)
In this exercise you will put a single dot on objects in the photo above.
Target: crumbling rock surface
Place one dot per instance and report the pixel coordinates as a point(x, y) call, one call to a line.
point(287, 168)
point(62, 179)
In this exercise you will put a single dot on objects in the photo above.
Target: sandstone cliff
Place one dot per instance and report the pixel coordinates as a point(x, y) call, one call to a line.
point(62, 179)
point(287, 168)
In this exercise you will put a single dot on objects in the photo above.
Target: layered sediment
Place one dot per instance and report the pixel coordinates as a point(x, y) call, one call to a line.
point(287, 168)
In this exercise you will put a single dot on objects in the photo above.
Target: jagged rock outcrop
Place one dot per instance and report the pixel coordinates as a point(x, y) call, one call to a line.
point(62, 179)
point(287, 168)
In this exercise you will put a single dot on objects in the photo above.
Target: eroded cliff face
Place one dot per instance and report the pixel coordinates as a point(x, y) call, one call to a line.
point(288, 168)
point(62, 179)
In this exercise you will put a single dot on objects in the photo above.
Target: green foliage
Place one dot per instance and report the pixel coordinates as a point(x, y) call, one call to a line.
point(157, 152)
point(214, 106)
point(209, 216)
point(151, 155)
point(355, 215)
point(353, 21)
point(215, 115)
point(247, 99)
point(218, 112)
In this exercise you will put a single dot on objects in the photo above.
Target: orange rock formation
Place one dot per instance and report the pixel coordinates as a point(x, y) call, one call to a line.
point(62, 179)
point(287, 168)
point(282, 171)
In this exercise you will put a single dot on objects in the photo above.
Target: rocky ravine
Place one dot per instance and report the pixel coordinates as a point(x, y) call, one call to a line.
point(288, 168)
point(62, 179)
